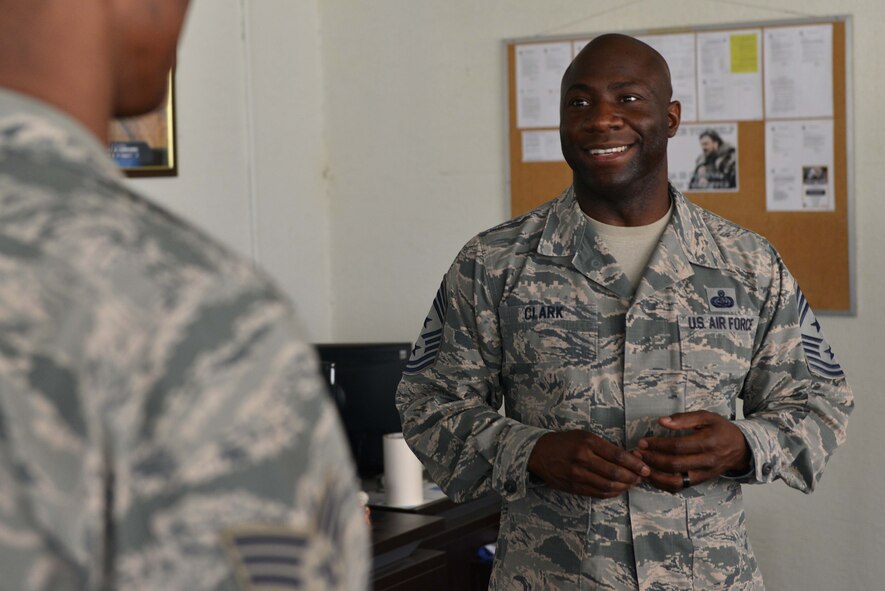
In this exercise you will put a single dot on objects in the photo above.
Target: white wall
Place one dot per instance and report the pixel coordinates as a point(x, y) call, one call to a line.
point(292, 228)
point(212, 187)
point(415, 131)
point(251, 143)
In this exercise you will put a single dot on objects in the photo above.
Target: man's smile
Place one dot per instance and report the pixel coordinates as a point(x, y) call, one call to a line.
point(608, 151)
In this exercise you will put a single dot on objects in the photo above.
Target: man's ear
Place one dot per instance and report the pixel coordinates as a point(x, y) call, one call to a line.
point(674, 116)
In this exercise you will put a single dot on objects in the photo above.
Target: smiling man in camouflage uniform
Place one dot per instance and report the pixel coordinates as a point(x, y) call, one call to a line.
point(619, 324)
point(162, 424)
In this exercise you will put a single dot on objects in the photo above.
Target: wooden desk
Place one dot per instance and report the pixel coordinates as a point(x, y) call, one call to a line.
point(395, 535)
point(439, 540)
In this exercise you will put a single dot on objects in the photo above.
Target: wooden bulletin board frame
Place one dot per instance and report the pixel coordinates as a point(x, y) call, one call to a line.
point(817, 246)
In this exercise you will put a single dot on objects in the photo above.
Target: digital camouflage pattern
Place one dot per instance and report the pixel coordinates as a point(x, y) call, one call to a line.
point(540, 317)
point(143, 364)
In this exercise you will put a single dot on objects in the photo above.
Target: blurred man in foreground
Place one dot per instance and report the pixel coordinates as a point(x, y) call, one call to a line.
point(162, 425)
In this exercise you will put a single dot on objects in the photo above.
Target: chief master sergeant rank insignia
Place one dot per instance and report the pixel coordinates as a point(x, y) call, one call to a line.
point(427, 347)
point(819, 355)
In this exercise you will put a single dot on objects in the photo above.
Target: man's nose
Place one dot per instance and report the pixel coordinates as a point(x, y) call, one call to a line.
point(603, 116)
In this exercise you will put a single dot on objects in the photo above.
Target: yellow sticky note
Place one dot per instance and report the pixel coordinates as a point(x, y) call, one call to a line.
point(744, 54)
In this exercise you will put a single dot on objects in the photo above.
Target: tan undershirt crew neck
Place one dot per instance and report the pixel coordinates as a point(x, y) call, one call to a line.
point(632, 246)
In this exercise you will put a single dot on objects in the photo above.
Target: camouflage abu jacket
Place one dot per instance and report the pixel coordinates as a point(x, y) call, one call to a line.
point(162, 424)
point(535, 314)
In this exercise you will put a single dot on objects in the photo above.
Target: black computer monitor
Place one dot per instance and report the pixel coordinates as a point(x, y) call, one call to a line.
point(366, 377)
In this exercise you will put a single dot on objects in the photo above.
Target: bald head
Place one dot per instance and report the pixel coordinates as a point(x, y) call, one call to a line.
point(616, 116)
point(615, 49)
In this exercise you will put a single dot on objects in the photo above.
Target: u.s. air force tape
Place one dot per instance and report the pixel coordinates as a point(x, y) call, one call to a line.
point(426, 348)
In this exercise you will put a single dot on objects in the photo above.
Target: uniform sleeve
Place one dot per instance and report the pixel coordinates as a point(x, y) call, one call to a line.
point(451, 392)
point(236, 473)
point(796, 398)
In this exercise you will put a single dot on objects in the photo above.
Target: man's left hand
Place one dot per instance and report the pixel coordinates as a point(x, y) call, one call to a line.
point(714, 446)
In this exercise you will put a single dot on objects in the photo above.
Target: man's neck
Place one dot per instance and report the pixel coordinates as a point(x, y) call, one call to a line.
point(624, 208)
point(94, 119)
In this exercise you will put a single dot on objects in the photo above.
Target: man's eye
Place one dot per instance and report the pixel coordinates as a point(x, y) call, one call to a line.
point(629, 98)
point(579, 102)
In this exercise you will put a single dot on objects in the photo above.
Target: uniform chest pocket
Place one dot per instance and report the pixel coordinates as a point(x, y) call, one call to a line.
point(544, 335)
point(716, 351)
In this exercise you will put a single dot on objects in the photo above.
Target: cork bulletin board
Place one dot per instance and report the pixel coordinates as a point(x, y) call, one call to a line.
point(781, 187)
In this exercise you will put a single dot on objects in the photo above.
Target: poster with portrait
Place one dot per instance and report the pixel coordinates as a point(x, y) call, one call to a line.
point(704, 157)
point(145, 145)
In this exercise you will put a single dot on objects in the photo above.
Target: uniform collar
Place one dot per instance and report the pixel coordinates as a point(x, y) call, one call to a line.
point(564, 228)
point(30, 125)
point(685, 242)
point(693, 234)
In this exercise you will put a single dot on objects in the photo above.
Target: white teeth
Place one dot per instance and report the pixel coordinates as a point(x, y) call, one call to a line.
point(601, 152)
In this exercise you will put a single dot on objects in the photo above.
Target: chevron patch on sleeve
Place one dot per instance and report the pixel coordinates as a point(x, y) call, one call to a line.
point(819, 354)
point(427, 347)
point(271, 558)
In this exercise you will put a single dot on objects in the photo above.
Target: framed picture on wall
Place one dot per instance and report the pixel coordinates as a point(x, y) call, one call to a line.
point(145, 145)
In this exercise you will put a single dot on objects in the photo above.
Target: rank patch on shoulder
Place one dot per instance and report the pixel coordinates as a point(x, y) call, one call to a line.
point(426, 348)
point(721, 299)
point(271, 558)
point(819, 355)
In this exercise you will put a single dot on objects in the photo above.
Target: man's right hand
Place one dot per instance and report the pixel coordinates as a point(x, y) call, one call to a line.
point(583, 463)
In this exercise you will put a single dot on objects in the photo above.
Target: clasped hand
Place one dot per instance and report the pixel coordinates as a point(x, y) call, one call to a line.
point(580, 462)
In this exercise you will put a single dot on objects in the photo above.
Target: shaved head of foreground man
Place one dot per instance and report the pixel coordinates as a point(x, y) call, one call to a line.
point(619, 324)
point(162, 423)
